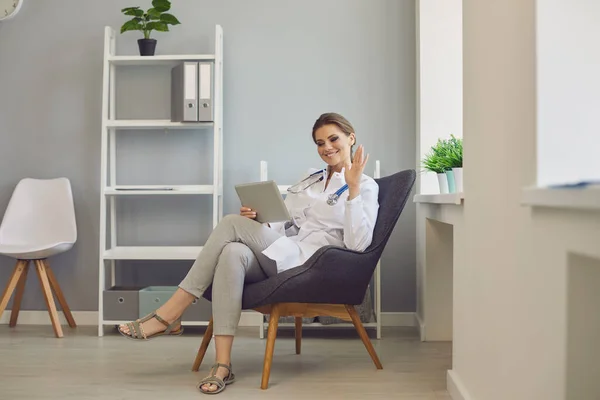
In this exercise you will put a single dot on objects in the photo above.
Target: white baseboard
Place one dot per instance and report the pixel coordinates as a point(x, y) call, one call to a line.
point(399, 319)
point(29, 317)
point(456, 388)
point(249, 318)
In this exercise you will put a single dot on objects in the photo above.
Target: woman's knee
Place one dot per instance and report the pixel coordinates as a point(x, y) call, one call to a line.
point(232, 219)
point(236, 254)
point(234, 250)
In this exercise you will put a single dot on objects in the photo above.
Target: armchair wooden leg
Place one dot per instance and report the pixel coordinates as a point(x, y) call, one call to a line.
point(298, 321)
point(12, 283)
point(203, 346)
point(363, 335)
point(59, 295)
point(41, 271)
point(270, 348)
point(16, 307)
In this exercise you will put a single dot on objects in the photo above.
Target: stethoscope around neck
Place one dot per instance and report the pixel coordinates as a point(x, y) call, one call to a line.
point(313, 179)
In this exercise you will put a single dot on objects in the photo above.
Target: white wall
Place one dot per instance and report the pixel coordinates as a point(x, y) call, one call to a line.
point(568, 80)
point(525, 284)
point(439, 79)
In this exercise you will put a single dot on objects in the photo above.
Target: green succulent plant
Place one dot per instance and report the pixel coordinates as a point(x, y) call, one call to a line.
point(154, 19)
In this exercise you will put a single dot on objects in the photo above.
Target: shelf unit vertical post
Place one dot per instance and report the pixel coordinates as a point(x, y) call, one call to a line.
point(218, 128)
point(106, 69)
point(112, 156)
point(377, 175)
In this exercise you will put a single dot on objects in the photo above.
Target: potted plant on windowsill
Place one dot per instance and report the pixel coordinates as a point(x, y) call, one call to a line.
point(154, 19)
point(435, 161)
point(454, 161)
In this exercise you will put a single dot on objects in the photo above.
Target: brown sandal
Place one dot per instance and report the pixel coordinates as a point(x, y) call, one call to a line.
point(213, 379)
point(136, 330)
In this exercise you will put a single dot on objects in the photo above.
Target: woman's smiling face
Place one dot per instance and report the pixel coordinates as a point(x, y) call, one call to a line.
point(334, 146)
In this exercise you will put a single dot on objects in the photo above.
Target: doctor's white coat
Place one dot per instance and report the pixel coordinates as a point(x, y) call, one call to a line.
point(347, 224)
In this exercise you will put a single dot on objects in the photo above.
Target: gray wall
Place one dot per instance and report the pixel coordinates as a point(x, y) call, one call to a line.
point(285, 63)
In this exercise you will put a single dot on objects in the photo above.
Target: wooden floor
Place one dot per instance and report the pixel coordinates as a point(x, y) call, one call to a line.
point(333, 365)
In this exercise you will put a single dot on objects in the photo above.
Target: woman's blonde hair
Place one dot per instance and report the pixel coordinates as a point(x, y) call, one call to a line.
point(334, 119)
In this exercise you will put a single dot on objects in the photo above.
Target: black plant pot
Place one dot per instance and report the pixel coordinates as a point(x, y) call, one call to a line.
point(147, 46)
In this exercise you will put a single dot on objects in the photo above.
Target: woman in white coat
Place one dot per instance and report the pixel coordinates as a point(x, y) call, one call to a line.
point(241, 250)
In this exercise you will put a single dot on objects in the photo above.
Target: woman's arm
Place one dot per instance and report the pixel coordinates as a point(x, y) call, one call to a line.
point(360, 215)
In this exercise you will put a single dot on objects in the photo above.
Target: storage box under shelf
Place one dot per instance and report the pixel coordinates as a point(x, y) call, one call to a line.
point(152, 297)
point(121, 303)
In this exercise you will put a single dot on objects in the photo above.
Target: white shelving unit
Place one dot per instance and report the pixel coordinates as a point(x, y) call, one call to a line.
point(110, 251)
point(376, 278)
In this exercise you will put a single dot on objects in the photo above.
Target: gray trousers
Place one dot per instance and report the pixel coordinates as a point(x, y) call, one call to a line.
point(231, 256)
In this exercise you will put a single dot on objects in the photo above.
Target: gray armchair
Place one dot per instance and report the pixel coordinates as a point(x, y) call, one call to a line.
point(330, 283)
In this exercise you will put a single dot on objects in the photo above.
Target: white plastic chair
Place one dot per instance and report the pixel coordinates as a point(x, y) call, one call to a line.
point(39, 223)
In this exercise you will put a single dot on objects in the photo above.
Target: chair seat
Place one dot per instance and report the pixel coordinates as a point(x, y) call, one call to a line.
point(34, 252)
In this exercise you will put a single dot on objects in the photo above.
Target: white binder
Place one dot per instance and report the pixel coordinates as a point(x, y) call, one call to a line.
point(205, 91)
point(184, 92)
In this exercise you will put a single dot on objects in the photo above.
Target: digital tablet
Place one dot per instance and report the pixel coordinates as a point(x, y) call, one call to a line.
point(265, 199)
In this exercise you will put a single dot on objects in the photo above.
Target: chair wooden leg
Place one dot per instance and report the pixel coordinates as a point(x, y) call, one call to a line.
point(41, 271)
point(363, 335)
point(203, 346)
point(59, 295)
point(16, 307)
point(270, 348)
point(11, 285)
point(298, 321)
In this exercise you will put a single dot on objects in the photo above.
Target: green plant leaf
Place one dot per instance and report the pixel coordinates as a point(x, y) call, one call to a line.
point(131, 25)
point(157, 26)
point(154, 14)
point(169, 19)
point(134, 12)
point(127, 9)
point(161, 5)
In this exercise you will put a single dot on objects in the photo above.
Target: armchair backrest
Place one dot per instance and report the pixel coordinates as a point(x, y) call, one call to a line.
point(394, 191)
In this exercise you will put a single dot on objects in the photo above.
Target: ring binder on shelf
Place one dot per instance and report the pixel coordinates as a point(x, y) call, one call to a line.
point(192, 92)
point(205, 84)
point(184, 92)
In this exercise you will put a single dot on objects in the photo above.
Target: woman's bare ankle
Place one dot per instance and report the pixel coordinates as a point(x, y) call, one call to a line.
point(168, 315)
point(175, 306)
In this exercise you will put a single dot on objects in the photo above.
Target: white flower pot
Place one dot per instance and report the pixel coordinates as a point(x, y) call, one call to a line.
point(458, 179)
point(443, 182)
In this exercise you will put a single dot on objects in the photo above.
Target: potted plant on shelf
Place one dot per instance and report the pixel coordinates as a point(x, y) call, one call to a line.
point(154, 19)
point(454, 161)
point(435, 161)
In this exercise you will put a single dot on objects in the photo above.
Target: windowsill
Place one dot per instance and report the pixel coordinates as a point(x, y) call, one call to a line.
point(571, 198)
point(449, 198)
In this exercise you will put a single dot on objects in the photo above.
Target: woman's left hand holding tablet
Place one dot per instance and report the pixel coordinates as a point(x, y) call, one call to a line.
point(247, 212)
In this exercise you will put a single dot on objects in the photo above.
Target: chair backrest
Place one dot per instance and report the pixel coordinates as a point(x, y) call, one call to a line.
point(394, 191)
point(40, 211)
